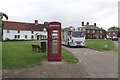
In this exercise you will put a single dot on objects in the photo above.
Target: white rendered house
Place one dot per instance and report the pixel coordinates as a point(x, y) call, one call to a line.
point(24, 31)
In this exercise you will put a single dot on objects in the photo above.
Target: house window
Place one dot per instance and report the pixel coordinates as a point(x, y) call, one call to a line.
point(18, 31)
point(40, 36)
point(100, 31)
point(32, 37)
point(113, 33)
point(18, 36)
point(15, 36)
point(32, 32)
point(45, 37)
point(88, 31)
point(93, 31)
point(8, 31)
point(25, 36)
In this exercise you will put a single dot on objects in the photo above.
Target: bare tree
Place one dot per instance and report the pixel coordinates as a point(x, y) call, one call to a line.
point(1, 25)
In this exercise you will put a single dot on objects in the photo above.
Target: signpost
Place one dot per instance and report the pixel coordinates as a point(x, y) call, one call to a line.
point(54, 41)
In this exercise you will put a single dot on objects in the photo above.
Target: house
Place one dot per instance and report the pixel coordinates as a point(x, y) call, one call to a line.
point(113, 32)
point(24, 31)
point(94, 32)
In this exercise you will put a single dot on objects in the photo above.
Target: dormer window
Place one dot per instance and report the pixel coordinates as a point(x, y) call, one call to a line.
point(18, 31)
point(8, 31)
point(32, 32)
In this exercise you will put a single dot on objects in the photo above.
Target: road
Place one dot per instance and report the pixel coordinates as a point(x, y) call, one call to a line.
point(97, 64)
point(116, 44)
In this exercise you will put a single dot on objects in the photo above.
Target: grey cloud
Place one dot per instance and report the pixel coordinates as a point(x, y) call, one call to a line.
point(70, 12)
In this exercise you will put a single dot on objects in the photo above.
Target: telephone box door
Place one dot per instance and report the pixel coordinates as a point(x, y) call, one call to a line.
point(54, 41)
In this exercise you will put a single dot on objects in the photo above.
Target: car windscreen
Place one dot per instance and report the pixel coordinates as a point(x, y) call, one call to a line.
point(78, 34)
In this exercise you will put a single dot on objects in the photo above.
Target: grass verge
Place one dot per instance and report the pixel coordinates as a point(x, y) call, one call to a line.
point(69, 57)
point(99, 44)
point(19, 54)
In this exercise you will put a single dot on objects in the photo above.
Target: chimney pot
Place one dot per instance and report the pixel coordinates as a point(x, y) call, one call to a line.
point(82, 23)
point(87, 23)
point(94, 24)
point(36, 22)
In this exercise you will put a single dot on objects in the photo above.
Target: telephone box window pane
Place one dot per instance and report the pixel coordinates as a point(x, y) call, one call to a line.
point(54, 42)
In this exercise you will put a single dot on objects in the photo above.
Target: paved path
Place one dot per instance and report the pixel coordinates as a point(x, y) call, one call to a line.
point(49, 70)
point(0, 74)
point(97, 64)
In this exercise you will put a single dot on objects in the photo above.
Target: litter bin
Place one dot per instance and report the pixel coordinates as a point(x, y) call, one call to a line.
point(43, 45)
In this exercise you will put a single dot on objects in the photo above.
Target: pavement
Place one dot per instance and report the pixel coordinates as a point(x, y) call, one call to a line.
point(0, 74)
point(97, 64)
point(49, 70)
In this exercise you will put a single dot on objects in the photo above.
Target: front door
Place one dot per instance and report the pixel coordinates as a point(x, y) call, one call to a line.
point(38, 37)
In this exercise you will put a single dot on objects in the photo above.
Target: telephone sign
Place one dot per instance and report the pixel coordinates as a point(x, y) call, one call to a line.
point(54, 41)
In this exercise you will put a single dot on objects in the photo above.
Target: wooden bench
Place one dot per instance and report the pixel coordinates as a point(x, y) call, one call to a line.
point(36, 48)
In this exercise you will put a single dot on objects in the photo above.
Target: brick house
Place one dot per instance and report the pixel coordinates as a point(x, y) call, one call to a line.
point(113, 32)
point(24, 31)
point(94, 32)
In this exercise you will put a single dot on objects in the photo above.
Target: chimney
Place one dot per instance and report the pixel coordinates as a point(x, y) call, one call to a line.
point(94, 24)
point(87, 23)
point(36, 22)
point(82, 23)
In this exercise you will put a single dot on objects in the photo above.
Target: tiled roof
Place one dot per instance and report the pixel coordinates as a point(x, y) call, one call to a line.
point(10, 25)
point(92, 27)
point(114, 29)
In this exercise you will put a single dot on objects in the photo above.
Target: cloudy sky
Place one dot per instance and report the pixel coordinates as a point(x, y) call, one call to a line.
point(68, 12)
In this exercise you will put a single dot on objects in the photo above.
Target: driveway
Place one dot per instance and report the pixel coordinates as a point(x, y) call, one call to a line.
point(97, 64)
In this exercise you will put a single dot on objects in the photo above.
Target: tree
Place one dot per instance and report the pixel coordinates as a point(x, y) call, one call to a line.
point(1, 27)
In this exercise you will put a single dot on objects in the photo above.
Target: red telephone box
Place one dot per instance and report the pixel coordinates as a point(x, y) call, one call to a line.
point(54, 41)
